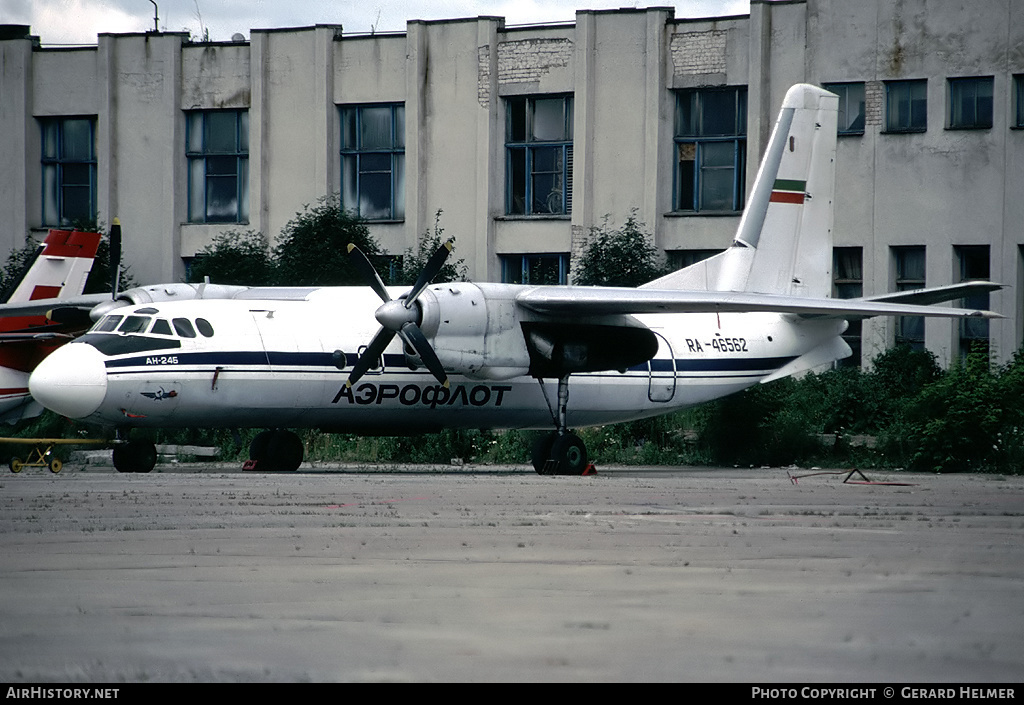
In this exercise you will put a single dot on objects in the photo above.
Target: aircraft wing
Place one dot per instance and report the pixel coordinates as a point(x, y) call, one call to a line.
point(596, 301)
point(937, 294)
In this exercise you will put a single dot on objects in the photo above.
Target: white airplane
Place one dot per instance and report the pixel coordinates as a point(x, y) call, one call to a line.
point(488, 355)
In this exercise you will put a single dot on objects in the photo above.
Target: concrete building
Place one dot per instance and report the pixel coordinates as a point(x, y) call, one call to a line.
point(526, 137)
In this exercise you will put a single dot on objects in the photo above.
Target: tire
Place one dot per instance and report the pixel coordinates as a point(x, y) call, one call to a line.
point(16, 464)
point(570, 453)
point(56, 465)
point(134, 456)
point(540, 453)
point(277, 450)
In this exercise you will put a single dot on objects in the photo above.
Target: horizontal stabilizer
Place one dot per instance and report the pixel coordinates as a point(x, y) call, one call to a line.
point(937, 294)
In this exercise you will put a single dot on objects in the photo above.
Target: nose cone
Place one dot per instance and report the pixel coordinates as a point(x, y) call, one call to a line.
point(71, 381)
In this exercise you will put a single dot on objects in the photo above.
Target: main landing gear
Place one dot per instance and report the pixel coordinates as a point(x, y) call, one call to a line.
point(134, 455)
point(275, 450)
point(561, 452)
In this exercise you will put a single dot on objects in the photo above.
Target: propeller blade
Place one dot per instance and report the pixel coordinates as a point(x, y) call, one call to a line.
point(412, 334)
point(430, 270)
point(371, 355)
point(361, 262)
point(115, 257)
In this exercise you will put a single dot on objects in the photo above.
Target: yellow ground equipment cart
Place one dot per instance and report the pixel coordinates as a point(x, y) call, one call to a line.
point(41, 455)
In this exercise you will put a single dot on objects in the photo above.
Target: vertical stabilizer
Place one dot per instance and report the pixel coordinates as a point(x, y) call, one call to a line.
point(784, 241)
point(59, 268)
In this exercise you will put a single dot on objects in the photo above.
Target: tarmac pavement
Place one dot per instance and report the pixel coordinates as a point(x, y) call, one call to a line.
point(205, 573)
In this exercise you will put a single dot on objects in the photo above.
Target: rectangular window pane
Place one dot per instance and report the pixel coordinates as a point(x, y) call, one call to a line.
point(517, 177)
point(970, 103)
point(549, 119)
point(375, 128)
point(221, 132)
point(906, 106)
point(221, 199)
point(516, 120)
point(77, 142)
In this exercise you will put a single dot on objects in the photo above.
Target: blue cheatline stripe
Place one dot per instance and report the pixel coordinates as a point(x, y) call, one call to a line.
point(391, 362)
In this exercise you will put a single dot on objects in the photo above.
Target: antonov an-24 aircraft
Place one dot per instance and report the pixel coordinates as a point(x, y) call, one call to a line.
point(465, 355)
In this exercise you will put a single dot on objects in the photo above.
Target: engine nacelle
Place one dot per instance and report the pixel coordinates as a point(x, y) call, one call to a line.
point(479, 330)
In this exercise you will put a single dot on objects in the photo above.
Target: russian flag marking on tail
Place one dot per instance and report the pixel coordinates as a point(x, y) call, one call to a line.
point(788, 191)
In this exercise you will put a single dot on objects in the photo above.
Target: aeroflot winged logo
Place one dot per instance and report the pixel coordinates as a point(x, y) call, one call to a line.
point(160, 394)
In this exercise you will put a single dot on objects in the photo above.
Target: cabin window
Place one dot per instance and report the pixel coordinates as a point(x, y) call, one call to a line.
point(69, 170)
point(204, 327)
point(538, 147)
point(109, 323)
point(711, 149)
point(970, 103)
point(373, 160)
point(906, 106)
point(135, 324)
point(184, 328)
point(161, 327)
point(217, 149)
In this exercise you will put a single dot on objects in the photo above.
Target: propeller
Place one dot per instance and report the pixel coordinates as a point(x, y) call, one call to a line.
point(399, 316)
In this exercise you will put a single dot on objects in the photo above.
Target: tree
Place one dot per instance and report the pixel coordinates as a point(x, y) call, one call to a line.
point(235, 258)
point(623, 257)
point(313, 247)
point(412, 263)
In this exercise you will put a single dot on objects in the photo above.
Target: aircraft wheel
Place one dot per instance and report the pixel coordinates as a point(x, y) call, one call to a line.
point(16, 464)
point(541, 451)
point(570, 453)
point(56, 465)
point(135, 456)
point(277, 450)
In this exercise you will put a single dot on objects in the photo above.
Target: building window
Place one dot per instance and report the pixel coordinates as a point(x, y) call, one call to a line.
point(218, 166)
point(373, 160)
point(681, 259)
point(851, 106)
point(848, 283)
point(970, 103)
point(711, 147)
point(69, 170)
point(535, 269)
point(973, 261)
point(538, 144)
point(1018, 101)
point(906, 106)
point(910, 271)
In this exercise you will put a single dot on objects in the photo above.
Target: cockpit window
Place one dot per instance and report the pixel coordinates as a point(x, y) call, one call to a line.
point(161, 327)
point(184, 328)
point(204, 327)
point(134, 324)
point(108, 324)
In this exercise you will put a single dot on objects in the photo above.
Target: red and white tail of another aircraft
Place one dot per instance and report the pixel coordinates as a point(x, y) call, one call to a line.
point(57, 271)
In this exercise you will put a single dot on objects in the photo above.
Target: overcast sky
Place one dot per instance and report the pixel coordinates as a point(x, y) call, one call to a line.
point(79, 21)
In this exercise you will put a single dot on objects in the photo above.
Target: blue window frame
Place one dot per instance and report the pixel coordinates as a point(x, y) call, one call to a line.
point(373, 160)
point(1018, 101)
point(217, 149)
point(535, 269)
point(538, 145)
point(974, 261)
point(711, 148)
point(910, 275)
point(851, 106)
point(68, 170)
point(970, 103)
point(906, 106)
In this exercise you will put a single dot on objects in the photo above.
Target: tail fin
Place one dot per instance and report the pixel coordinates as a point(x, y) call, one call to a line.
point(59, 268)
point(784, 241)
